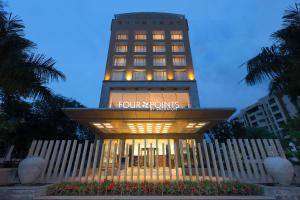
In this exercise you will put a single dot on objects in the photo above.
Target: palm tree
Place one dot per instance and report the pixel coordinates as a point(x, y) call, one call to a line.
point(23, 74)
point(280, 63)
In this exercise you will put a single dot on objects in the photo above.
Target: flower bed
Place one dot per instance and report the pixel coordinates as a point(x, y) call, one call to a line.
point(181, 188)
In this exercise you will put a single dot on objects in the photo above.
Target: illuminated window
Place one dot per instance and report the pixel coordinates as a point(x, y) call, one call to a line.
point(159, 61)
point(160, 75)
point(158, 35)
point(177, 47)
point(139, 75)
point(159, 48)
point(121, 48)
point(140, 48)
point(119, 61)
point(118, 75)
point(139, 60)
point(180, 75)
point(176, 35)
point(179, 61)
point(140, 36)
point(122, 36)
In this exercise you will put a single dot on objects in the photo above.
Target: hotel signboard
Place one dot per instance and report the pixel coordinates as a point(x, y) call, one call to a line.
point(171, 105)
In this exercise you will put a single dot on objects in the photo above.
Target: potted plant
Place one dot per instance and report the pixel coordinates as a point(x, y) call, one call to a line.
point(8, 172)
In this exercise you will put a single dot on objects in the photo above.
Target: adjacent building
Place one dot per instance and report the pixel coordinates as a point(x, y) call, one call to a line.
point(269, 112)
point(149, 93)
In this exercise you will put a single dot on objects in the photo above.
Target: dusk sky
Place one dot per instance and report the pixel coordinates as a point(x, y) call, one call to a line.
point(223, 35)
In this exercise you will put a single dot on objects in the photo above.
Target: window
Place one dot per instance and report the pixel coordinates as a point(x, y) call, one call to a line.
point(139, 75)
point(278, 116)
point(122, 36)
point(252, 118)
point(120, 61)
point(140, 36)
point(158, 48)
point(139, 60)
point(140, 48)
point(271, 101)
point(158, 35)
point(274, 108)
point(121, 48)
point(179, 61)
point(118, 75)
point(177, 47)
point(159, 61)
point(176, 35)
point(180, 75)
point(159, 75)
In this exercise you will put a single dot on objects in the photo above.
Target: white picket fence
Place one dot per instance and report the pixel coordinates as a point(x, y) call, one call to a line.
point(237, 159)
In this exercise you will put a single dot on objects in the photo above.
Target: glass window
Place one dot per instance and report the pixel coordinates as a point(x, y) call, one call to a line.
point(118, 75)
point(158, 35)
point(159, 75)
point(159, 48)
point(177, 47)
point(159, 61)
point(121, 48)
point(140, 48)
point(180, 75)
point(139, 75)
point(122, 36)
point(176, 35)
point(140, 36)
point(179, 61)
point(120, 61)
point(139, 60)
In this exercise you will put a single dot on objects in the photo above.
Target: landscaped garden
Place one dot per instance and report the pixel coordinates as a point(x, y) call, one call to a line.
point(174, 188)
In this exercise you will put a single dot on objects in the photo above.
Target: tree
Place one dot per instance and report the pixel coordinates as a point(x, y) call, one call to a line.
point(23, 74)
point(280, 63)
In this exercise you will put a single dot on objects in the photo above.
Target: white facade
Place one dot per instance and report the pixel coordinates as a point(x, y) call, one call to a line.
point(269, 112)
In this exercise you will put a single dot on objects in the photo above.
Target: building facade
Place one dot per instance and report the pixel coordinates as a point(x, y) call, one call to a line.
point(149, 93)
point(269, 112)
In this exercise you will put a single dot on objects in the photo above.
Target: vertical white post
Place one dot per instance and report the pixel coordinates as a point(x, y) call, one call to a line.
point(189, 161)
point(145, 165)
point(233, 160)
point(107, 160)
point(38, 148)
point(201, 162)
point(95, 160)
point(126, 163)
point(279, 147)
point(170, 163)
point(101, 162)
point(182, 160)
point(132, 162)
point(252, 161)
point(66, 154)
point(83, 160)
point(238, 157)
point(176, 162)
point(76, 162)
point(195, 162)
point(138, 167)
point(58, 160)
point(47, 158)
point(220, 160)
point(258, 161)
point(120, 160)
point(113, 163)
point(157, 164)
point(89, 163)
point(43, 151)
point(216, 171)
point(228, 167)
point(151, 162)
point(32, 147)
point(245, 159)
point(207, 160)
point(273, 147)
point(70, 160)
point(164, 162)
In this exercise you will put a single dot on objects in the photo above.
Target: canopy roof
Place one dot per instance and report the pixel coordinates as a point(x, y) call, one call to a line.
point(125, 121)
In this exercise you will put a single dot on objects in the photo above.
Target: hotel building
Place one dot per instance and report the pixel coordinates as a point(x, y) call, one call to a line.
point(149, 93)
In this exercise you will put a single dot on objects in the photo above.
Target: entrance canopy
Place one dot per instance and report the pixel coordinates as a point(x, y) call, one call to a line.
point(124, 121)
